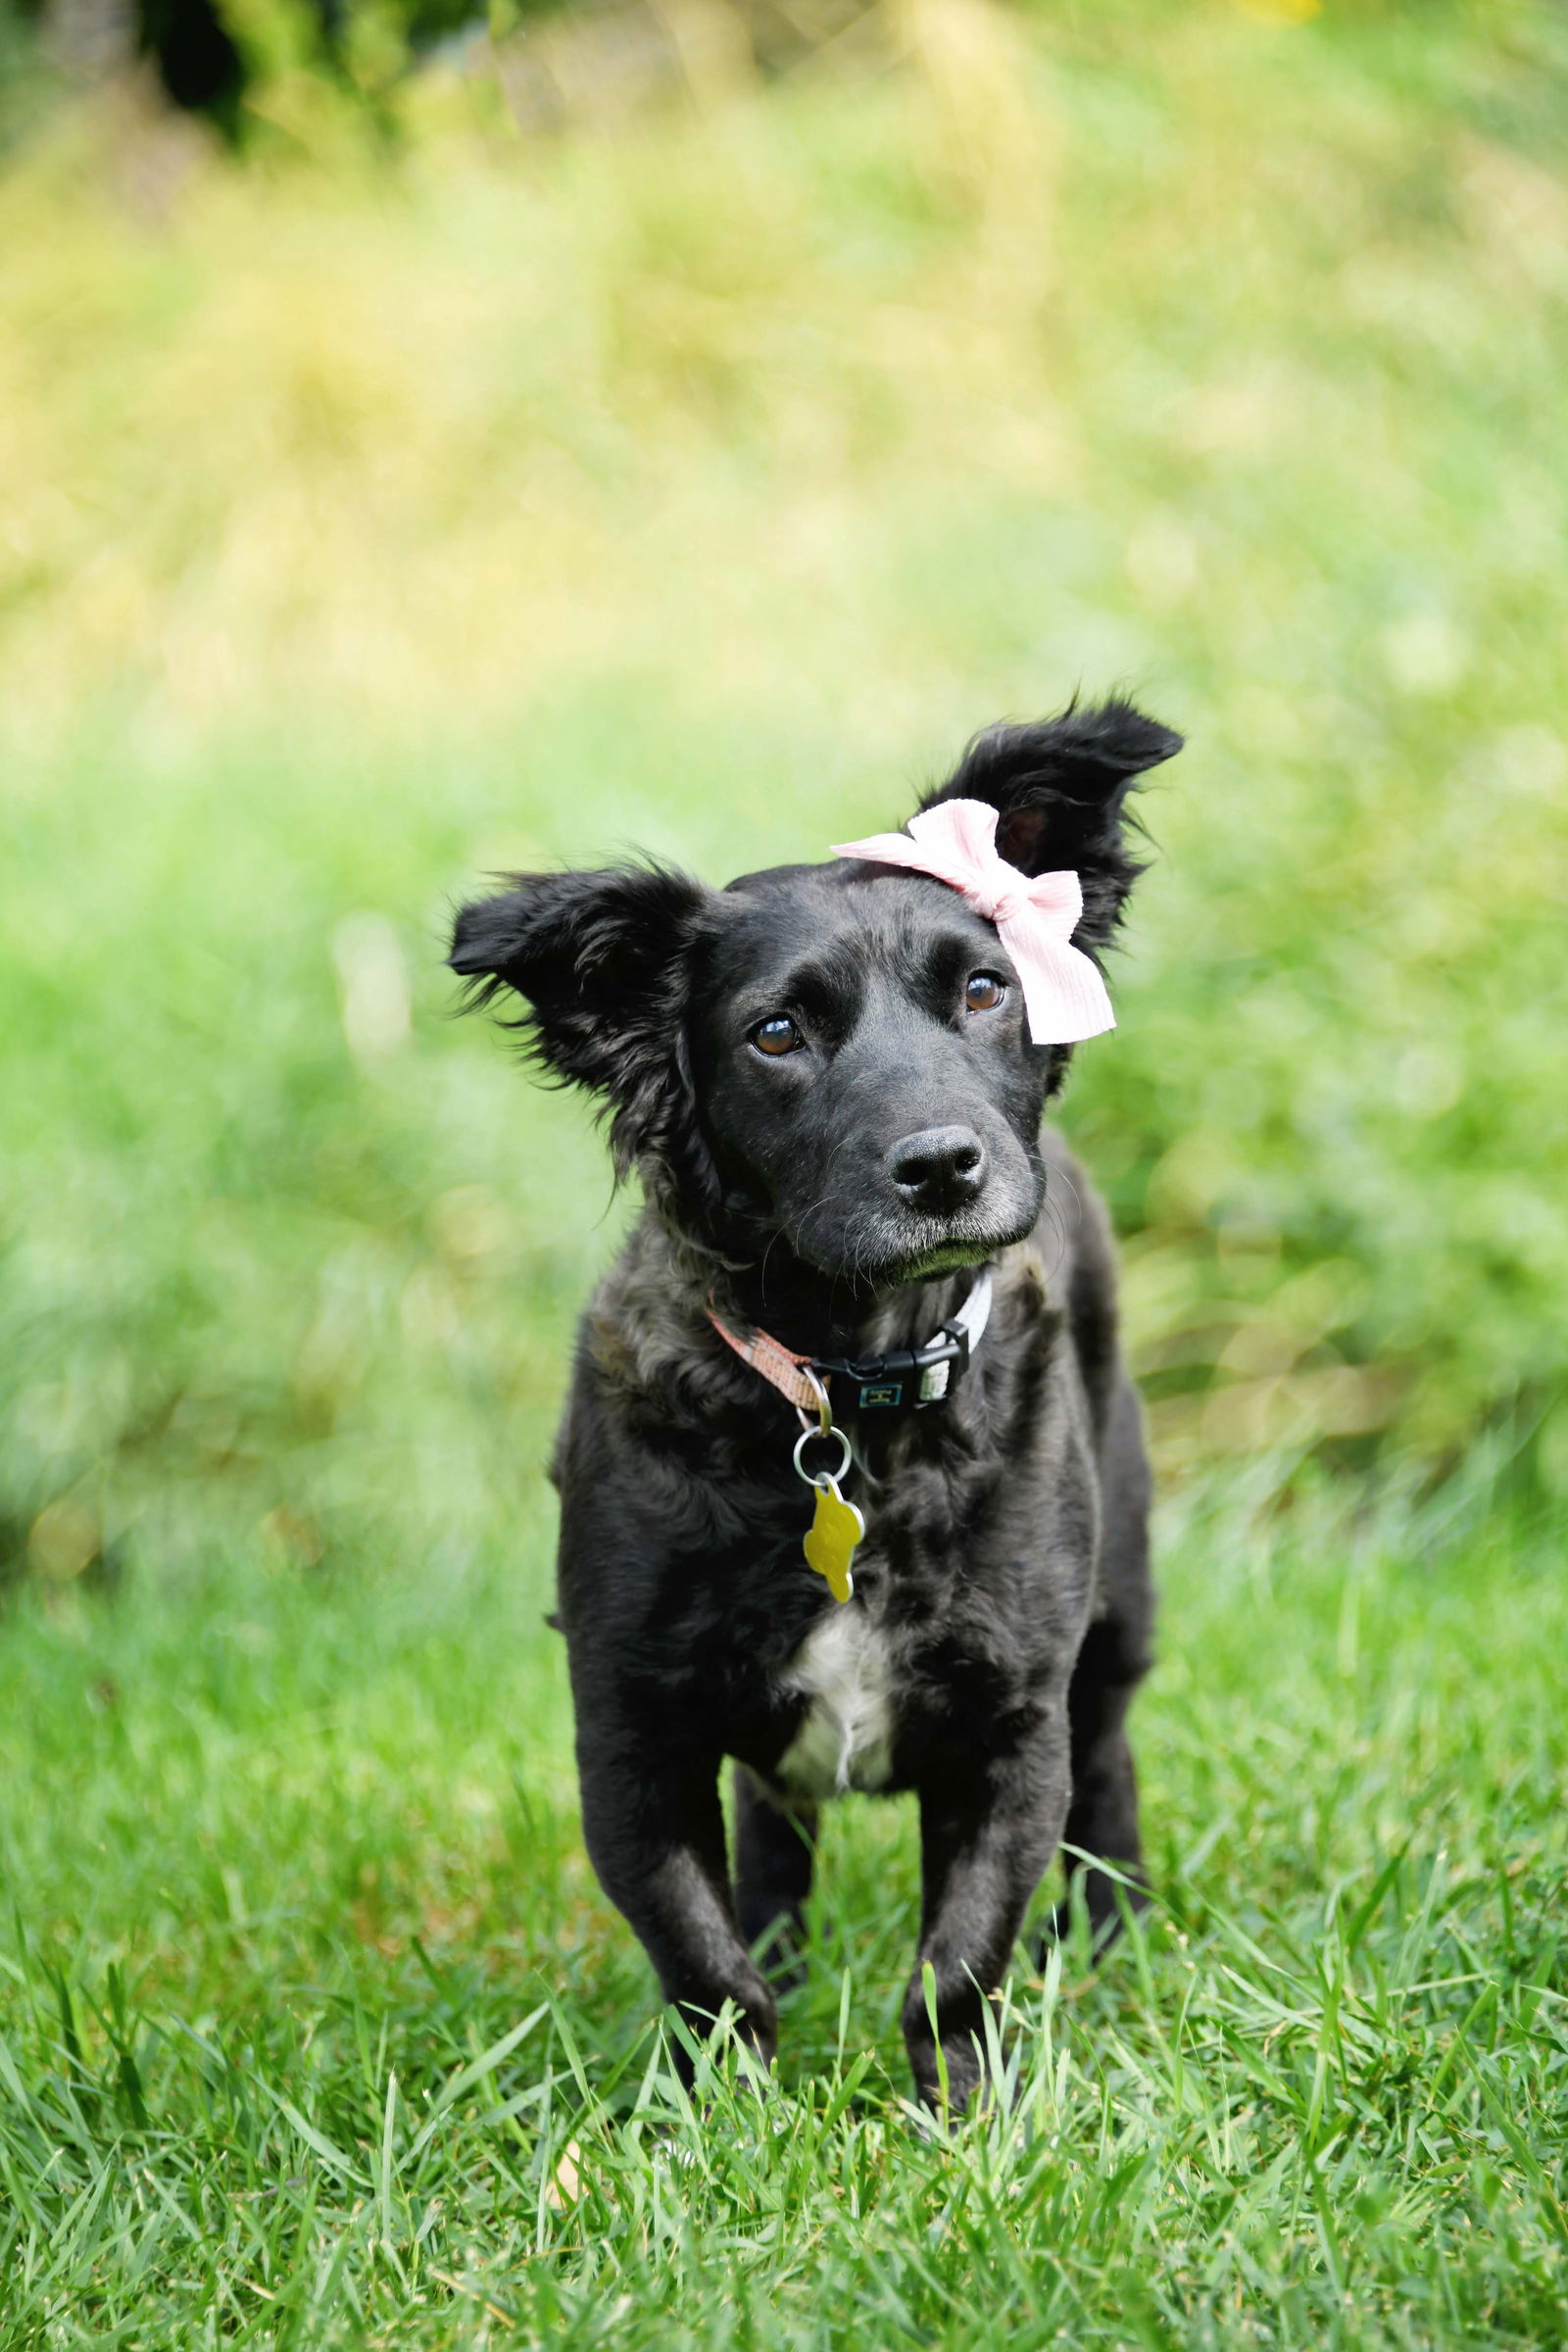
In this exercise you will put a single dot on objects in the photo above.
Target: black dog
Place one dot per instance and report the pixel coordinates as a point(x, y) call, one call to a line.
point(824, 1078)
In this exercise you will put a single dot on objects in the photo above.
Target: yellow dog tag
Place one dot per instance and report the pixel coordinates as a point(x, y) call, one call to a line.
point(836, 1529)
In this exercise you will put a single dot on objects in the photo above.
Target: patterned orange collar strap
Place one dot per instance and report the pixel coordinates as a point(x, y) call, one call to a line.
point(788, 1373)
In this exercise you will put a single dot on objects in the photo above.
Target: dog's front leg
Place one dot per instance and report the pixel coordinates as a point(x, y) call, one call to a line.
point(986, 1841)
point(656, 1836)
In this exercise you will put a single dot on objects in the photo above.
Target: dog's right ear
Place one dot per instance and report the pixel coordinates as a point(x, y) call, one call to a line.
point(600, 962)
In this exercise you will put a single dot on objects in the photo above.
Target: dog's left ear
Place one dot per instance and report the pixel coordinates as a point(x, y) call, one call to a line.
point(1061, 787)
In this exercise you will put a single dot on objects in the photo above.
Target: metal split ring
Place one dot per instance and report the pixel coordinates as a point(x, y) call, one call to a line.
point(819, 1403)
point(824, 1478)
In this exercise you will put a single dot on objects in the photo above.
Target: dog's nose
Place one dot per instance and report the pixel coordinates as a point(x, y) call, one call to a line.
point(940, 1168)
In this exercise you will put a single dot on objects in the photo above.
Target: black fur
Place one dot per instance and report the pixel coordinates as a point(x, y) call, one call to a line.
point(840, 1196)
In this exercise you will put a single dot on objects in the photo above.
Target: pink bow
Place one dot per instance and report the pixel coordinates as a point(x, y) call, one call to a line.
point(1063, 993)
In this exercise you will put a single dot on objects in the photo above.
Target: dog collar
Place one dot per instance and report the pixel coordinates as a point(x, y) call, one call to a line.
point(923, 1374)
point(904, 1379)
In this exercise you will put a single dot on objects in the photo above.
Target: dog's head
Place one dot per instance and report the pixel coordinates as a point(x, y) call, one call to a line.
point(835, 1056)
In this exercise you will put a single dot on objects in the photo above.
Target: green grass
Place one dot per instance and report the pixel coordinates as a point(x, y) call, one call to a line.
point(367, 525)
point(314, 2030)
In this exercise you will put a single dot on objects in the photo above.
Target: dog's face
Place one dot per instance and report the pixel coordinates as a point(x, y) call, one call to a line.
point(832, 1057)
point(863, 1069)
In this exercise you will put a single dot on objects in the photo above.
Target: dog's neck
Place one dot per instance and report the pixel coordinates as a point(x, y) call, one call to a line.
point(653, 1337)
point(807, 1311)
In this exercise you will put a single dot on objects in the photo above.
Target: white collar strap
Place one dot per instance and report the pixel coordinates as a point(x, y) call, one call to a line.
point(914, 1376)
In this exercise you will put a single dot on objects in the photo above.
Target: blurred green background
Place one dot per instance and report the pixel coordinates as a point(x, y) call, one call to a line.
point(683, 426)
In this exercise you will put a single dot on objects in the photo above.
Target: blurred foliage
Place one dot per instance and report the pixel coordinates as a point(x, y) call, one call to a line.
point(699, 472)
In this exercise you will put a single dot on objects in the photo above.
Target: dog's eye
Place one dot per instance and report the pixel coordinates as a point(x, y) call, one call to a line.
point(984, 991)
point(777, 1035)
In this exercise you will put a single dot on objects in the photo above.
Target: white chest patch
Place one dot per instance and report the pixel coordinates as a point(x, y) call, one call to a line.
point(843, 1670)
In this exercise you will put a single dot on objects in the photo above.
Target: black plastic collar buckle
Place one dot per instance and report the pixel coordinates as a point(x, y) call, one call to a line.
point(908, 1378)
